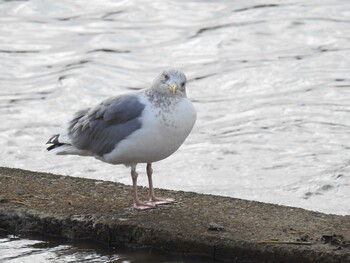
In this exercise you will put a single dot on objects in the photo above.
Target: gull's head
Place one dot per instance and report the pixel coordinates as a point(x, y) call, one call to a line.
point(171, 82)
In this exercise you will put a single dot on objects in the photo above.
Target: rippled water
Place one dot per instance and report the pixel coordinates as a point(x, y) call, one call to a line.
point(19, 250)
point(270, 83)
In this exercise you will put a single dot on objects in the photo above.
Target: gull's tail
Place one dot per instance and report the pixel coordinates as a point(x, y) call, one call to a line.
point(62, 148)
point(62, 143)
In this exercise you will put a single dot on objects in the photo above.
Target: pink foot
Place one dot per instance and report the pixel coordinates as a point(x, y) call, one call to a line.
point(162, 201)
point(153, 198)
point(144, 205)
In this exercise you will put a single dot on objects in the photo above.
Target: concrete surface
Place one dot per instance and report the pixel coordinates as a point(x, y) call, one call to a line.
point(222, 228)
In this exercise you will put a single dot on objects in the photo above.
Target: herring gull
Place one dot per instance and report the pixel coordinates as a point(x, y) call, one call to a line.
point(141, 127)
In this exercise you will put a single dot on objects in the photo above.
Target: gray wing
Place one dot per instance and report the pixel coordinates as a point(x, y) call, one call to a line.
point(101, 128)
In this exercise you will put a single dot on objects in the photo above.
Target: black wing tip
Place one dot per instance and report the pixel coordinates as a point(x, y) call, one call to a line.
point(51, 147)
point(54, 141)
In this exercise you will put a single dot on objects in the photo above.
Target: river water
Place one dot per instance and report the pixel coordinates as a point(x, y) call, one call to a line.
point(40, 249)
point(270, 82)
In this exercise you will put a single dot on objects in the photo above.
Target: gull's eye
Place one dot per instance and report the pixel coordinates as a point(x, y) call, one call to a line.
point(182, 84)
point(166, 77)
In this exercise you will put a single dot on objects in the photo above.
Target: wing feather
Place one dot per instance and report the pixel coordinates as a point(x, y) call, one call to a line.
point(102, 127)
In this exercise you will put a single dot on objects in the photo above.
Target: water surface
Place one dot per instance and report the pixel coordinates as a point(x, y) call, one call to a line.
point(15, 249)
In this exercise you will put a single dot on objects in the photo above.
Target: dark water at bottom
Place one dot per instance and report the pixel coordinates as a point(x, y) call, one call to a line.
point(40, 249)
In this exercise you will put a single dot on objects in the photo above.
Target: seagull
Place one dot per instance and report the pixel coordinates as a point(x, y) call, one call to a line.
point(141, 127)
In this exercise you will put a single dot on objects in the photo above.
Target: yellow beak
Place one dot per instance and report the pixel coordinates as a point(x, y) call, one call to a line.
point(173, 87)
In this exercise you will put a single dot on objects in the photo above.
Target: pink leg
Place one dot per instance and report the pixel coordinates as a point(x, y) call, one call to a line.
point(137, 203)
point(152, 196)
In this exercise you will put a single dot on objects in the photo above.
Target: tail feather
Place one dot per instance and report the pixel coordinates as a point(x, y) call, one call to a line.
point(62, 144)
point(60, 148)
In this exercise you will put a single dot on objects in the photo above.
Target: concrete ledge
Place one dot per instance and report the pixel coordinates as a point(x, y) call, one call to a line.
point(101, 211)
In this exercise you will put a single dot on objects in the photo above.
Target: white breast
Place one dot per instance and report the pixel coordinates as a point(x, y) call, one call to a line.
point(161, 134)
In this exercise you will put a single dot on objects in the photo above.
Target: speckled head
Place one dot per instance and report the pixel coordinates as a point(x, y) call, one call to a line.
point(170, 82)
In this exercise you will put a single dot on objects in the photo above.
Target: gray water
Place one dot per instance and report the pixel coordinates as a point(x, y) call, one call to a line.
point(270, 82)
point(40, 249)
